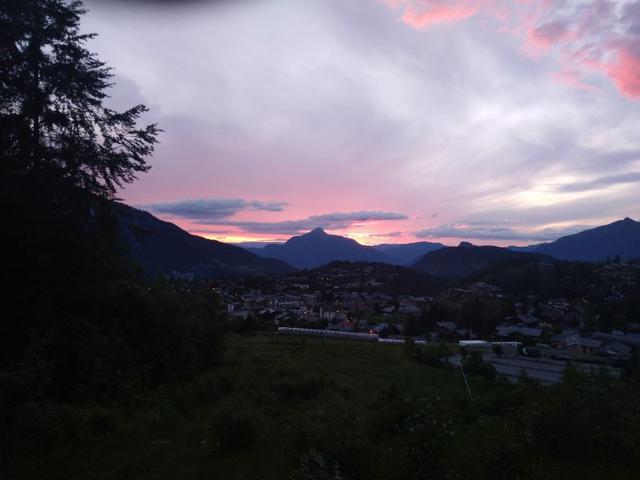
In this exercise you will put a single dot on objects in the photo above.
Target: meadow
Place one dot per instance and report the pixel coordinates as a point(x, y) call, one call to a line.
point(308, 408)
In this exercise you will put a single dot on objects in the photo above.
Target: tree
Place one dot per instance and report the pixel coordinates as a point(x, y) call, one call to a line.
point(53, 121)
point(63, 154)
point(473, 315)
point(474, 364)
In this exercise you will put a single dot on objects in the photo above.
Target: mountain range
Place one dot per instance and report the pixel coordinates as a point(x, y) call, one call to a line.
point(617, 239)
point(621, 238)
point(406, 254)
point(317, 248)
point(161, 247)
point(466, 259)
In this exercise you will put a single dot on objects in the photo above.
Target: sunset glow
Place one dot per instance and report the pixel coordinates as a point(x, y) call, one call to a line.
point(387, 121)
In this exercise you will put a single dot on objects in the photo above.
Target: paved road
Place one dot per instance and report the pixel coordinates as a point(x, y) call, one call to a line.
point(545, 370)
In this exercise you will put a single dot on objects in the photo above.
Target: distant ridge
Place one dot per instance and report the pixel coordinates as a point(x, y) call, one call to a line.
point(317, 248)
point(621, 238)
point(464, 260)
point(163, 248)
point(406, 254)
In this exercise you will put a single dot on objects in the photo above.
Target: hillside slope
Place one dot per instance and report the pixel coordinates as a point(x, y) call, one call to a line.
point(463, 260)
point(618, 238)
point(318, 248)
point(162, 247)
point(406, 254)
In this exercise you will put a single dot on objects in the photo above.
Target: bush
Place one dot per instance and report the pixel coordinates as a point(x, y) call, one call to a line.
point(428, 355)
point(40, 427)
point(299, 385)
point(102, 421)
point(410, 349)
point(335, 427)
point(209, 387)
point(314, 466)
point(425, 433)
point(235, 429)
point(474, 364)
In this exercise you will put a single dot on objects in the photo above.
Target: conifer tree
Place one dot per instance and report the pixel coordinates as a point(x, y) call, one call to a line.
point(53, 118)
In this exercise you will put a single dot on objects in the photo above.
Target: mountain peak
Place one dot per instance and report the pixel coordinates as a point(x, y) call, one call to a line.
point(465, 245)
point(318, 247)
point(620, 238)
point(317, 232)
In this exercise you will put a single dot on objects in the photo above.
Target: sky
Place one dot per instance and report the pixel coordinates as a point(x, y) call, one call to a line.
point(503, 122)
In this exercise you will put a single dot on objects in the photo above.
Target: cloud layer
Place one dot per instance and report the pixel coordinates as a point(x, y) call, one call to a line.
point(594, 35)
point(474, 110)
point(330, 221)
point(211, 210)
point(495, 232)
point(220, 212)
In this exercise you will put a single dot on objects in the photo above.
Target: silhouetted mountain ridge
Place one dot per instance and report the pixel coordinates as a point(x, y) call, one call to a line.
point(163, 248)
point(317, 248)
point(620, 238)
point(465, 259)
point(406, 254)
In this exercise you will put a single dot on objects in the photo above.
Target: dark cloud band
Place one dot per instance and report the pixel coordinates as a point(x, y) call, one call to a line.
point(330, 221)
point(487, 231)
point(211, 210)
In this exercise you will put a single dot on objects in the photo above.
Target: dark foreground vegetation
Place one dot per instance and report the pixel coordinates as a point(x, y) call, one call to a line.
point(105, 375)
point(305, 408)
point(81, 331)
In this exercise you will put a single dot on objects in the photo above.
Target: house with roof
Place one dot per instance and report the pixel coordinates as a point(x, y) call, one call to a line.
point(529, 320)
point(512, 332)
point(530, 332)
point(505, 332)
point(583, 346)
point(617, 349)
point(559, 340)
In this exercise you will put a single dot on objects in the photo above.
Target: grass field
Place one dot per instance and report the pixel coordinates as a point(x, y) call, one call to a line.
point(281, 407)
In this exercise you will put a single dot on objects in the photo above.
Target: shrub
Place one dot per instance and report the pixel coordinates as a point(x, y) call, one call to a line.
point(314, 466)
point(235, 429)
point(101, 421)
point(474, 364)
point(410, 349)
point(301, 385)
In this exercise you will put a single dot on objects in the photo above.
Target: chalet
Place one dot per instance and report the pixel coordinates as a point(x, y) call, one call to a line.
point(506, 331)
point(617, 349)
point(530, 332)
point(559, 340)
point(584, 346)
point(447, 326)
point(630, 339)
point(529, 320)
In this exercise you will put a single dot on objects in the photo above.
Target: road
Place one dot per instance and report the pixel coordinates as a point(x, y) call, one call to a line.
point(544, 370)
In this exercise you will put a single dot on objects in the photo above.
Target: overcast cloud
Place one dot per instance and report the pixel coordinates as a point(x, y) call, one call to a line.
point(474, 110)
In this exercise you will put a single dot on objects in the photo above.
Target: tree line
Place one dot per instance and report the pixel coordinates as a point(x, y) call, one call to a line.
point(80, 324)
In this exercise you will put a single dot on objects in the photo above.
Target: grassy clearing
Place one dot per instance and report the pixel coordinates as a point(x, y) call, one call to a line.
point(280, 406)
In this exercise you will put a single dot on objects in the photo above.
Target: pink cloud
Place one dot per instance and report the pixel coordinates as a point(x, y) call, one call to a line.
point(600, 35)
point(572, 78)
point(625, 70)
point(550, 33)
point(429, 13)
